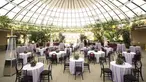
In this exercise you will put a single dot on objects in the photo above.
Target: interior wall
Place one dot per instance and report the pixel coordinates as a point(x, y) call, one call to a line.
point(3, 40)
point(138, 37)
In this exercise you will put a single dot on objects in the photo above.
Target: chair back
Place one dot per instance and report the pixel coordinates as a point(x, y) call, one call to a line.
point(101, 62)
point(18, 66)
point(78, 66)
point(54, 56)
point(104, 50)
point(138, 65)
point(92, 55)
point(68, 51)
point(50, 67)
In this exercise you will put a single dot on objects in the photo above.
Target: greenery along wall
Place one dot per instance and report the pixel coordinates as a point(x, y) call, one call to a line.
point(109, 29)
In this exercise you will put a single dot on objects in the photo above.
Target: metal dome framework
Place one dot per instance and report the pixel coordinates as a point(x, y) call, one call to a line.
point(71, 13)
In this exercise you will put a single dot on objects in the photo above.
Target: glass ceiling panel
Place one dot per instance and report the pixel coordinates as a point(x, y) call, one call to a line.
point(70, 13)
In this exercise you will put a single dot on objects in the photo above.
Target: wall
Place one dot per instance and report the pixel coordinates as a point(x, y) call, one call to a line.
point(138, 37)
point(3, 40)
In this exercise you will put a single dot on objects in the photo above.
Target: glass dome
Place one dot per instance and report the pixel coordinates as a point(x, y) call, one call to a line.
point(70, 13)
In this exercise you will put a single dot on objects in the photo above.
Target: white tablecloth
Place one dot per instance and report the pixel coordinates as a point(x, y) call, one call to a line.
point(34, 71)
point(21, 49)
point(97, 54)
point(134, 48)
point(41, 50)
point(98, 45)
point(58, 54)
point(108, 49)
point(121, 47)
point(128, 56)
point(119, 71)
point(70, 50)
point(72, 64)
point(24, 56)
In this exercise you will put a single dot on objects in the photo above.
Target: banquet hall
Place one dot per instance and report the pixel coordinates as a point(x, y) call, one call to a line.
point(72, 40)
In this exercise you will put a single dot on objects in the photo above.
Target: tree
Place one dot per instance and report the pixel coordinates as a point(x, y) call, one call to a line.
point(61, 37)
point(82, 37)
point(39, 36)
point(5, 21)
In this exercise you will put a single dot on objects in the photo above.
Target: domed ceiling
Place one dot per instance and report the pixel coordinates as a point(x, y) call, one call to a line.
point(70, 13)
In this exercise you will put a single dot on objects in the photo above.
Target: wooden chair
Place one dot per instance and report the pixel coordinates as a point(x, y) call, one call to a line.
point(106, 72)
point(47, 73)
point(78, 69)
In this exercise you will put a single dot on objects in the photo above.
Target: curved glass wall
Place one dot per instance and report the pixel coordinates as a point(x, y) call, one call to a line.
point(70, 13)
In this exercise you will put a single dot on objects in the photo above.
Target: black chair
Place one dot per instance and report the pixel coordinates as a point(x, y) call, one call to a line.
point(19, 60)
point(138, 69)
point(137, 57)
point(78, 69)
point(61, 58)
point(108, 57)
point(130, 78)
point(26, 77)
point(47, 73)
point(85, 53)
point(18, 69)
point(68, 53)
point(86, 64)
point(106, 72)
point(92, 58)
point(54, 58)
point(30, 58)
point(66, 64)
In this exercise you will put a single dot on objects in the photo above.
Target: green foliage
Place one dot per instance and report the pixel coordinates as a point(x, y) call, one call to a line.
point(76, 56)
point(5, 22)
point(61, 37)
point(39, 36)
point(82, 37)
point(126, 37)
point(107, 29)
point(120, 60)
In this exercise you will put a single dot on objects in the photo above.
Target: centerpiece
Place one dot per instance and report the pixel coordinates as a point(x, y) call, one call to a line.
point(76, 56)
point(33, 63)
point(120, 60)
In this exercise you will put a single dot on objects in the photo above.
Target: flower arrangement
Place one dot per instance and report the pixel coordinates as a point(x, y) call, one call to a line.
point(76, 56)
point(33, 63)
point(120, 60)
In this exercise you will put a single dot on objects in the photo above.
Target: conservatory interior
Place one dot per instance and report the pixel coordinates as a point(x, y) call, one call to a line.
point(72, 40)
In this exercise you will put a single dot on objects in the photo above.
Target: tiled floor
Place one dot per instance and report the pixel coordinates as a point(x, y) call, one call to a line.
point(59, 76)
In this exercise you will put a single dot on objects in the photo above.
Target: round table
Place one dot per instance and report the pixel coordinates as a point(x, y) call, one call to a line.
point(41, 50)
point(24, 56)
point(118, 71)
point(135, 48)
point(108, 49)
point(34, 71)
point(128, 56)
point(72, 64)
point(97, 54)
